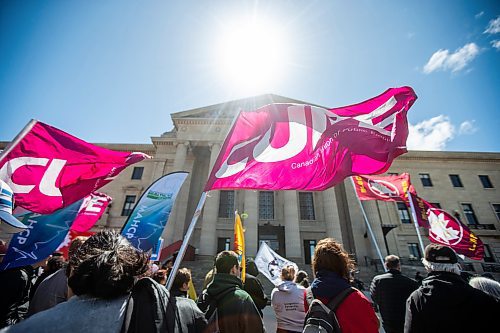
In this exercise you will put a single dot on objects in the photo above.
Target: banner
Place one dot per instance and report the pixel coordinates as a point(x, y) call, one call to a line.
point(94, 205)
point(155, 255)
point(447, 230)
point(72, 234)
point(44, 235)
point(304, 147)
point(145, 224)
point(49, 169)
point(239, 244)
point(269, 263)
point(384, 188)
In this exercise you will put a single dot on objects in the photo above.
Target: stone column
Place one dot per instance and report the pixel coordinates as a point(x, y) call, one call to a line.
point(292, 229)
point(252, 222)
point(332, 220)
point(180, 156)
point(208, 237)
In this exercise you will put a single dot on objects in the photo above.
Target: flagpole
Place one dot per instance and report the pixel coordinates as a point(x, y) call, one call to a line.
point(18, 138)
point(185, 242)
point(415, 223)
point(368, 226)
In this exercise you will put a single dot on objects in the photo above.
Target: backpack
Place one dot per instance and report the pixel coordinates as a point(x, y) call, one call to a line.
point(321, 318)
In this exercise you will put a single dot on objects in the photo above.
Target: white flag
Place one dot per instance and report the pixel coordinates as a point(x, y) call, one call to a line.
point(269, 263)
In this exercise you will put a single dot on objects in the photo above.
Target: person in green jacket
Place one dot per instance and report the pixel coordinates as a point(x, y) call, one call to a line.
point(226, 300)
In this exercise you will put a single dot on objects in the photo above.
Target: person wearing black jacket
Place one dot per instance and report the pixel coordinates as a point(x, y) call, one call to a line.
point(15, 285)
point(254, 287)
point(446, 302)
point(390, 291)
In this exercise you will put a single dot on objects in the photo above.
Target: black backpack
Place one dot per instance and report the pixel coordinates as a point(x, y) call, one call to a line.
point(321, 317)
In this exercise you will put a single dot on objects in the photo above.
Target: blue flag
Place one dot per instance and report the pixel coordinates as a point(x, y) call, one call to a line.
point(150, 215)
point(44, 234)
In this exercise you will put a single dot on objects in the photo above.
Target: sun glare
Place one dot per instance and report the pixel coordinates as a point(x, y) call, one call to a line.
point(252, 56)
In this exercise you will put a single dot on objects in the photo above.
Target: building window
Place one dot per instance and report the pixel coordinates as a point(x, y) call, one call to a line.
point(485, 180)
point(306, 202)
point(455, 181)
point(309, 245)
point(404, 215)
point(266, 205)
point(128, 205)
point(137, 173)
point(436, 204)
point(469, 213)
point(414, 251)
point(223, 244)
point(226, 204)
point(496, 208)
point(425, 178)
point(488, 255)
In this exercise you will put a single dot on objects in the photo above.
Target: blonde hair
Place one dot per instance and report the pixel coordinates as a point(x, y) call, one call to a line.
point(288, 273)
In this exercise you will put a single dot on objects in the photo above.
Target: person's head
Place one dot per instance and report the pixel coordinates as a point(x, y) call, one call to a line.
point(160, 276)
point(392, 262)
point(251, 267)
point(227, 262)
point(486, 285)
point(330, 255)
point(288, 273)
point(301, 276)
point(181, 280)
point(440, 258)
point(73, 247)
point(54, 264)
point(105, 266)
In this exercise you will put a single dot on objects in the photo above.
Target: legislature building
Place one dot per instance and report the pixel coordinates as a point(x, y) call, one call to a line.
point(465, 184)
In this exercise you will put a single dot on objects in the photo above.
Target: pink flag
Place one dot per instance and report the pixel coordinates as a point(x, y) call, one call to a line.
point(93, 206)
point(294, 146)
point(49, 169)
point(388, 188)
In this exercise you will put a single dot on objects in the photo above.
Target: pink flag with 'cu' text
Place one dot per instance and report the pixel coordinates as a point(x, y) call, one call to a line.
point(49, 169)
point(295, 146)
point(93, 206)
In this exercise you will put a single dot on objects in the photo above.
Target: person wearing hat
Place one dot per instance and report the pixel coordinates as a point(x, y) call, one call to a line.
point(8, 223)
point(447, 303)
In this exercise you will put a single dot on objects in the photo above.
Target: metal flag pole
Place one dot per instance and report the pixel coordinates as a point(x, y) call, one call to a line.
point(185, 242)
point(368, 226)
point(18, 138)
point(415, 223)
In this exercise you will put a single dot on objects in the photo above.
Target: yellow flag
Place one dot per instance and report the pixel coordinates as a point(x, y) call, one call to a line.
point(192, 291)
point(239, 244)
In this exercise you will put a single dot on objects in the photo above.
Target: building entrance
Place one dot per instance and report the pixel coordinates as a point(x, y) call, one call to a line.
point(274, 237)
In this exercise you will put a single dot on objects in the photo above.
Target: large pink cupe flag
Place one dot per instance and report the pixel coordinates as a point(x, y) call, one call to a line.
point(93, 206)
point(304, 147)
point(49, 169)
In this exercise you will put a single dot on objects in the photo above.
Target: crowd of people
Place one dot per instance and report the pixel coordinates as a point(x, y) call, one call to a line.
point(108, 286)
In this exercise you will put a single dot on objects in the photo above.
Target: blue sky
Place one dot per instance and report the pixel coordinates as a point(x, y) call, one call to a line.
point(113, 71)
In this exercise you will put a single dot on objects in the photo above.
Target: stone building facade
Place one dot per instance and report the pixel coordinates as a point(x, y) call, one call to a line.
point(464, 183)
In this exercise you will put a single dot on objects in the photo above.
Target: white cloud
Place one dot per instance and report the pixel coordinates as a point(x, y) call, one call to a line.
point(496, 44)
point(436, 132)
point(467, 127)
point(493, 27)
point(456, 61)
point(431, 134)
point(478, 15)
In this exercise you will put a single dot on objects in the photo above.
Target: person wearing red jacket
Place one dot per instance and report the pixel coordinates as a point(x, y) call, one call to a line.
point(331, 266)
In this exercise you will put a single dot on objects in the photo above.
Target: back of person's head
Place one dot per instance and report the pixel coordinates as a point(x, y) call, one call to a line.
point(251, 267)
point(330, 255)
point(183, 276)
point(105, 265)
point(301, 276)
point(392, 262)
point(288, 273)
point(160, 276)
point(489, 286)
point(225, 261)
point(440, 258)
point(54, 264)
point(73, 247)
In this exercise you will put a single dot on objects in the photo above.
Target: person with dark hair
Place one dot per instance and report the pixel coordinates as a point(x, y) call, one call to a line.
point(103, 270)
point(54, 263)
point(254, 287)
point(226, 300)
point(302, 279)
point(15, 285)
point(331, 266)
point(287, 300)
point(444, 301)
point(390, 291)
point(54, 289)
point(160, 276)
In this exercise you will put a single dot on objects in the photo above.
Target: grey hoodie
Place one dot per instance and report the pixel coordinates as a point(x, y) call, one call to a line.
point(288, 302)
